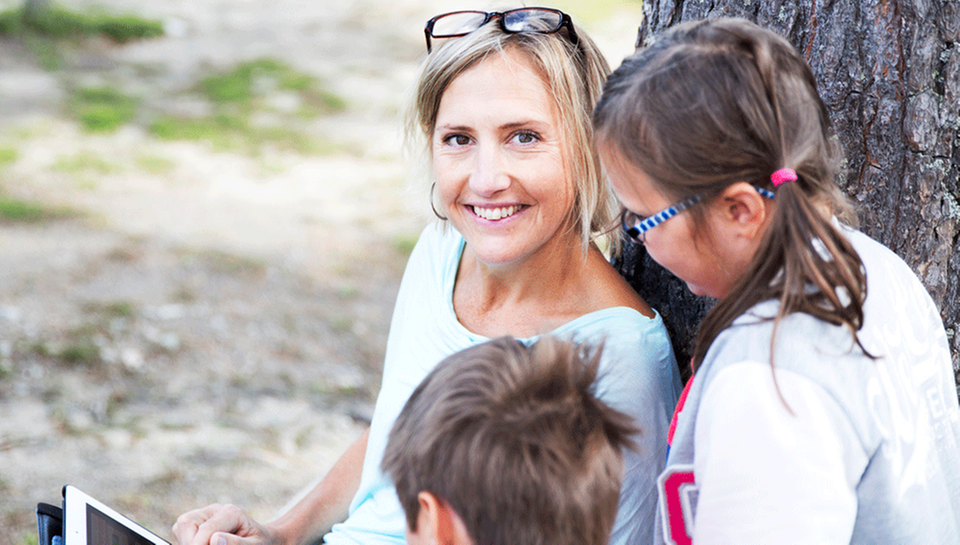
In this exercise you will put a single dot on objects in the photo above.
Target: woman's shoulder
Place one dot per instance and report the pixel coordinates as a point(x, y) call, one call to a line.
point(622, 327)
point(608, 289)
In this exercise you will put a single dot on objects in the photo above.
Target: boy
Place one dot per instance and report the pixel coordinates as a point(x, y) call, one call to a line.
point(508, 444)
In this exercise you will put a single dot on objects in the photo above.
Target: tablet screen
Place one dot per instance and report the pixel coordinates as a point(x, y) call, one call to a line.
point(103, 530)
point(90, 522)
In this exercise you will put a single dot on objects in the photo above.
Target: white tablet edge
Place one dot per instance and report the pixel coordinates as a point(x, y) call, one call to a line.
point(75, 518)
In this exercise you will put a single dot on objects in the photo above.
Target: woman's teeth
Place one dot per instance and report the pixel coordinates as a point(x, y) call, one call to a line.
point(494, 214)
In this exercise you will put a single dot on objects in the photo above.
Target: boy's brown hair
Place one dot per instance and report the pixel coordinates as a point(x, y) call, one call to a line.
point(514, 439)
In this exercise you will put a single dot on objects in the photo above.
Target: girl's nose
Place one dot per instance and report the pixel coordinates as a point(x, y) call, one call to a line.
point(489, 174)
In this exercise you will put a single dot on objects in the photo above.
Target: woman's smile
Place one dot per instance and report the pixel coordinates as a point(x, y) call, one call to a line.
point(493, 213)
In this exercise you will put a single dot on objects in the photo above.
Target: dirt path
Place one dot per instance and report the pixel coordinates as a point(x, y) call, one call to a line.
point(204, 325)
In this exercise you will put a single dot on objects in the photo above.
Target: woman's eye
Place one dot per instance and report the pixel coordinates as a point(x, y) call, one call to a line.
point(457, 140)
point(526, 138)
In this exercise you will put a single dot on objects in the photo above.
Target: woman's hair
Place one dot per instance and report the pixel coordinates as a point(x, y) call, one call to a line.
point(516, 441)
point(711, 103)
point(574, 76)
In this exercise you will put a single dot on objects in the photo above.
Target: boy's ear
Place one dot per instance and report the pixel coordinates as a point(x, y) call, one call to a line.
point(744, 208)
point(438, 523)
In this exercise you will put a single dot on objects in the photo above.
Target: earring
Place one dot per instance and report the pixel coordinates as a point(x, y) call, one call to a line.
point(432, 207)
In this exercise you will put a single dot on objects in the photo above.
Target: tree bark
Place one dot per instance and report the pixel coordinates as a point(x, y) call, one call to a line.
point(889, 72)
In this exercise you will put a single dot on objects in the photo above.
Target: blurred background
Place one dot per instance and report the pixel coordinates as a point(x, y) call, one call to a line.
point(205, 211)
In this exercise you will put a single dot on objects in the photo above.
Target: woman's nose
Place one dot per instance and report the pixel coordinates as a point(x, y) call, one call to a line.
point(490, 172)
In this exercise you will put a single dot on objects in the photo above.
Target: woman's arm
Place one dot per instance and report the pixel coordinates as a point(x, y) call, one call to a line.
point(323, 506)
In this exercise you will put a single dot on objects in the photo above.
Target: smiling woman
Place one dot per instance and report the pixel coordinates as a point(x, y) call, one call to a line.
point(498, 161)
point(525, 197)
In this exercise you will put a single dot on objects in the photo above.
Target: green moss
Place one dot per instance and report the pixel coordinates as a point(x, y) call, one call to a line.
point(85, 353)
point(7, 155)
point(238, 93)
point(235, 86)
point(154, 164)
point(85, 162)
point(58, 23)
point(127, 28)
point(17, 211)
point(102, 109)
point(28, 538)
point(114, 309)
point(223, 131)
point(404, 244)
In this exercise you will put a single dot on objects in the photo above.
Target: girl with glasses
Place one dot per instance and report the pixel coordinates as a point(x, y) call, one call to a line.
point(823, 407)
point(502, 109)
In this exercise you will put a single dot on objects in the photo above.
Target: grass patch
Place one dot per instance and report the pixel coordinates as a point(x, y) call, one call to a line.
point(253, 87)
point(233, 132)
point(154, 164)
point(113, 309)
point(17, 211)
point(28, 538)
point(250, 81)
point(57, 22)
point(84, 353)
point(404, 244)
point(85, 162)
point(102, 109)
point(7, 155)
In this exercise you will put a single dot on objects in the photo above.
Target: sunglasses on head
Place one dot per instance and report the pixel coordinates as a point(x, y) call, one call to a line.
point(533, 20)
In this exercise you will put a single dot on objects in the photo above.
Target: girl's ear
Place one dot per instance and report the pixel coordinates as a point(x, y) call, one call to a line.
point(438, 523)
point(744, 209)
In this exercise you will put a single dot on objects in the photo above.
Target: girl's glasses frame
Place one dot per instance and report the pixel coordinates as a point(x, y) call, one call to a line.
point(456, 24)
point(636, 226)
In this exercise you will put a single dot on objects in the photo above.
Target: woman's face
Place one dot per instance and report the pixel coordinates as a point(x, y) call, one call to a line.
point(706, 264)
point(499, 161)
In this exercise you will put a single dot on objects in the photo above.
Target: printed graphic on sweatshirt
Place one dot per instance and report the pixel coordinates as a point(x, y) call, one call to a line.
point(678, 502)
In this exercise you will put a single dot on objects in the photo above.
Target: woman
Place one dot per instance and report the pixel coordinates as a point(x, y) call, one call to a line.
point(520, 193)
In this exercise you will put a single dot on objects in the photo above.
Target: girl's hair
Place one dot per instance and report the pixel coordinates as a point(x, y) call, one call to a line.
point(573, 74)
point(720, 101)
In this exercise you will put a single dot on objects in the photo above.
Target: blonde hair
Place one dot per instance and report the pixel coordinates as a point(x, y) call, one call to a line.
point(574, 76)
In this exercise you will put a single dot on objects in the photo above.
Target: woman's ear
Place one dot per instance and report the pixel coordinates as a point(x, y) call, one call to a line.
point(438, 523)
point(744, 209)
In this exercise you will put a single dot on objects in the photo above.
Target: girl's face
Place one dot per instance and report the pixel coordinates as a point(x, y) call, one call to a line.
point(707, 264)
point(499, 161)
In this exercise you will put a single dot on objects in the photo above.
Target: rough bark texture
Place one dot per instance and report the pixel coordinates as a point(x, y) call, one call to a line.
point(889, 72)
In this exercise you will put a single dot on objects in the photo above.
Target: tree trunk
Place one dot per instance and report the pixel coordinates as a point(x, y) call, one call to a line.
point(889, 72)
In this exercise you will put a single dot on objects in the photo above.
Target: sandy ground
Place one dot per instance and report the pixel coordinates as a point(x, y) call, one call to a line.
point(213, 331)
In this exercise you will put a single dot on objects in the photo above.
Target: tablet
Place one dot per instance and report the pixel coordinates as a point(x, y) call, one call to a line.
point(86, 521)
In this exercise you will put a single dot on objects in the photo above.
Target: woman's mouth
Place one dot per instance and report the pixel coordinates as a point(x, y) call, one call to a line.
point(494, 214)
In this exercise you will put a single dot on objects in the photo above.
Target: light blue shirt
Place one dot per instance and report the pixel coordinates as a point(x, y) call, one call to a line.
point(639, 376)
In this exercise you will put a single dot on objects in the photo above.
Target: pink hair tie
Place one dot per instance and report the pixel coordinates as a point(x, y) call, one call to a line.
point(783, 175)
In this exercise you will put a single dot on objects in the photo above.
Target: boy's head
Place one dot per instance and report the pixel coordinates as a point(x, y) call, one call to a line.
point(504, 443)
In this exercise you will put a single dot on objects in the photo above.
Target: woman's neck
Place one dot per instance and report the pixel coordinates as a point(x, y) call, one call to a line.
point(527, 298)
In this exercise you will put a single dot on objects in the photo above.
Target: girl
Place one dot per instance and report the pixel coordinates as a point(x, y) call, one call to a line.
point(823, 407)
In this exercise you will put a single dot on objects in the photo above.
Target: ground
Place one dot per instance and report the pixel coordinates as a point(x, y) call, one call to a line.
point(196, 319)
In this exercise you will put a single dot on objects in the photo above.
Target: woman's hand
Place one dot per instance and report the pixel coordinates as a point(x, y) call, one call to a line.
point(305, 521)
point(222, 525)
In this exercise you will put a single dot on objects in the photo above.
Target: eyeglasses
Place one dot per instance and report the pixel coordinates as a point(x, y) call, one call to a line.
point(636, 226)
point(534, 20)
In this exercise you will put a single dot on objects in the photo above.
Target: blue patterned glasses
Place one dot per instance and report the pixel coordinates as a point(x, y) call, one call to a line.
point(636, 226)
